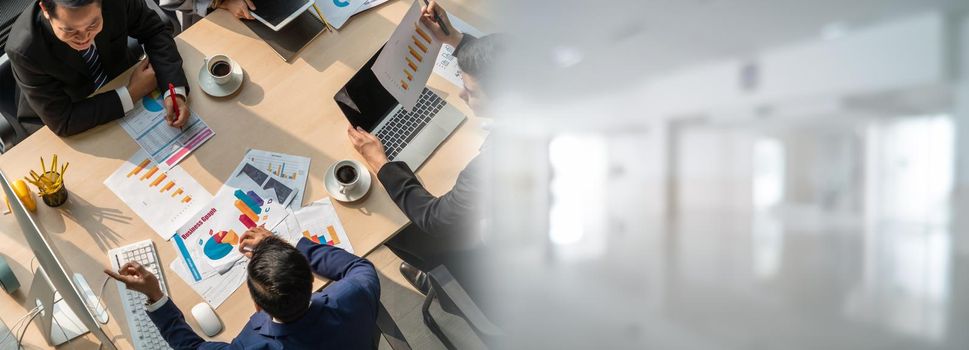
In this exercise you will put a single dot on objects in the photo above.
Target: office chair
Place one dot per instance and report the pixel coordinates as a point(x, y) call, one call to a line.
point(8, 106)
point(9, 11)
point(447, 289)
point(387, 328)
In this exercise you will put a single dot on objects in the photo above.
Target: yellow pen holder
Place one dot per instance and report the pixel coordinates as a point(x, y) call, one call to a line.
point(56, 196)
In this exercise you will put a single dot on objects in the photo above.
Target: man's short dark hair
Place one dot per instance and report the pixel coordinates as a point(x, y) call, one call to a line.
point(51, 5)
point(280, 280)
point(479, 57)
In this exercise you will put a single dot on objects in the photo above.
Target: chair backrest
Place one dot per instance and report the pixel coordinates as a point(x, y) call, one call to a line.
point(8, 105)
point(9, 11)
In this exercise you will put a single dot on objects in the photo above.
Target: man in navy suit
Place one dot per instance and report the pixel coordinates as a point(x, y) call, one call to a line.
point(288, 314)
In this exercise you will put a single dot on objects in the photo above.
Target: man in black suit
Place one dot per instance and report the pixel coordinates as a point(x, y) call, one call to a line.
point(444, 230)
point(62, 51)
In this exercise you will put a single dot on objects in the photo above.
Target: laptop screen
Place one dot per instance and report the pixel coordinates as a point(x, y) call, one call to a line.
point(363, 100)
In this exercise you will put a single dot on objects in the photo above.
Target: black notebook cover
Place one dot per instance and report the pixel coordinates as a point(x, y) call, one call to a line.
point(275, 11)
point(292, 38)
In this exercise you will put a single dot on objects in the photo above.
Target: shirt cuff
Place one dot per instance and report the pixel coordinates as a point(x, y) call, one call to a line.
point(158, 304)
point(179, 90)
point(125, 97)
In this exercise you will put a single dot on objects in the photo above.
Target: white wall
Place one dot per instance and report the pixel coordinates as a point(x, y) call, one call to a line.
point(901, 54)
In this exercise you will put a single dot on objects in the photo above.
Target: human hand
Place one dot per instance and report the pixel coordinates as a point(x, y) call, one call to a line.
point(368, 146)
point(429, 20)
point(183, 112)
point(239, 8)
point(137, 278)
point(251, 239)
point(142, 80)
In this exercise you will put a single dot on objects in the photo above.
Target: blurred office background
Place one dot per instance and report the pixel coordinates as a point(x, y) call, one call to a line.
point(733, 174)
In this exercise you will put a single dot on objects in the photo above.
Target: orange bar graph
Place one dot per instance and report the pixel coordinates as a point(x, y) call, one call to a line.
point(403, 84)
point(310, 237)
point(158, 180)
point(422, 33)
point(415, 54)
point(411, 64)
point(187, 199)
point(139, 168)
point(245, 210)
point(177, 192)
point(168, 186)
point(409, 76)
point(150, 173)
point(419, 44)
point(333, 235)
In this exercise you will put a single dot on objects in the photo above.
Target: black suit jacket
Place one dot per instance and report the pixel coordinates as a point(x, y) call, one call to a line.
point(54, 80)
point(455, 216)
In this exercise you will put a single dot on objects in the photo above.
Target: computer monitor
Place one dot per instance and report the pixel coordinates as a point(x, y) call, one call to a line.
point(71, 314)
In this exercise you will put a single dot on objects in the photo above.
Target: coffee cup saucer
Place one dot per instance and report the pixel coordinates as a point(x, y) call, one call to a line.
point(208, 84)
point(333, 187)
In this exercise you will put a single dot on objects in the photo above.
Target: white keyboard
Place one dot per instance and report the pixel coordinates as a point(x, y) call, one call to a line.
point(144, 334)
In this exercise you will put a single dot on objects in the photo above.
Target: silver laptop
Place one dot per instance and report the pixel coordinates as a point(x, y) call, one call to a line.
point(409, 137)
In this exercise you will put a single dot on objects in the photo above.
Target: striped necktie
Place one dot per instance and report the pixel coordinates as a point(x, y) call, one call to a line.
point(93, 61)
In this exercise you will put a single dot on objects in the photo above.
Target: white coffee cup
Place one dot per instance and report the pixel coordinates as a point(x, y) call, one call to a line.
point(219, 64)
point(347, 174)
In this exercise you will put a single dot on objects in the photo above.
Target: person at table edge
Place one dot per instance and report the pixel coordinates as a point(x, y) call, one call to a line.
point(63, 51)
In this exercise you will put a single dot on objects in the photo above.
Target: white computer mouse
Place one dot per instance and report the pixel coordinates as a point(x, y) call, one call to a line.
point(207, 319)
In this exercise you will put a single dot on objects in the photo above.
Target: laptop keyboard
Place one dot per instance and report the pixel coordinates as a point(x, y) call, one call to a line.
point(404, 125)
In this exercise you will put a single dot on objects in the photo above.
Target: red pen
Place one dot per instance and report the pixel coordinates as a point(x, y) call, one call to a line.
point(171, 91)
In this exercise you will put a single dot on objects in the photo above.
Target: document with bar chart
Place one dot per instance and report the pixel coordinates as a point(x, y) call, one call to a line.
point(288, 169)
point(163, 199)
point(166, 145)
point(317, 222)
point(248, 173)
point(407, 59)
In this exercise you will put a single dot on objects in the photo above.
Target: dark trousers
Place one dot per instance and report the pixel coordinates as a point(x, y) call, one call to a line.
point(426, 252)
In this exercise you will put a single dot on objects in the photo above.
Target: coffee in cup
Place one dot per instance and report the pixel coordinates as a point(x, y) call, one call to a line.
point(220, 67)
point(347, 175)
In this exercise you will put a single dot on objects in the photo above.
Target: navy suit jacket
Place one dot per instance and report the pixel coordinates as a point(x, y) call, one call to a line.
point(342, 316)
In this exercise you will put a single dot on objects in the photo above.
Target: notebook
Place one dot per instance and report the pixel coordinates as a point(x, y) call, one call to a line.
point(288, 41)
point(277, 14)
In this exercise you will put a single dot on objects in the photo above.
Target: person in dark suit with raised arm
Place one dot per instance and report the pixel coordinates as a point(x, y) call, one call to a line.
point(288, 314)
point(63, 51)
point(444, 230)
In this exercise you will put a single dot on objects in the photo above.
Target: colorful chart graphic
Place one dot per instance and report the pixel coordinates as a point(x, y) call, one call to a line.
point(340, 3)
point(152, 102)
point(331, 232)
point(250, 205)
point(219, 245)
point(279, 170)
